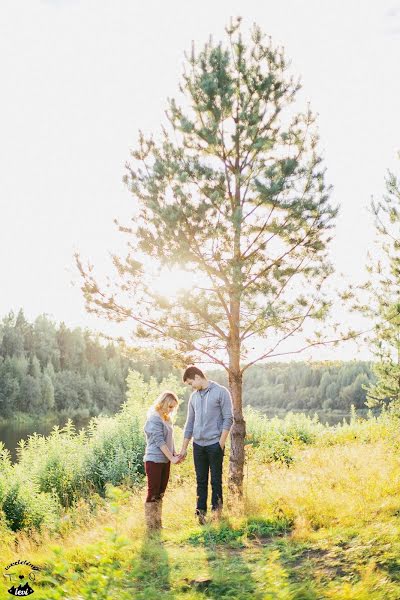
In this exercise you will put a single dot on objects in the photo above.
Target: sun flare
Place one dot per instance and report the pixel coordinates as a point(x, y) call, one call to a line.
point(168, 282)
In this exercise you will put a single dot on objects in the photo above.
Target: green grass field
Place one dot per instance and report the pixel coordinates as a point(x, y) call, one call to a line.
point(325, 524)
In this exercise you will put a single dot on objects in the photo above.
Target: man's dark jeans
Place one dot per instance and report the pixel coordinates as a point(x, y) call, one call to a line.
point(208, 459)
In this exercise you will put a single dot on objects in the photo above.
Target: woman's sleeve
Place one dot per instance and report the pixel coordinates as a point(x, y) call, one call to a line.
point(155, 432)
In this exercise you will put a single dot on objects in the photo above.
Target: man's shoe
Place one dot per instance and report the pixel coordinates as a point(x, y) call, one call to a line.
point(201, 516)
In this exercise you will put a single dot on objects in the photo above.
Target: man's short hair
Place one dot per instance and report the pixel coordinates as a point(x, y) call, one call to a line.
point(190, 372)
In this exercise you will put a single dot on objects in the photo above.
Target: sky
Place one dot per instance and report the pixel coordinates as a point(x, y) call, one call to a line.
point(80, 78)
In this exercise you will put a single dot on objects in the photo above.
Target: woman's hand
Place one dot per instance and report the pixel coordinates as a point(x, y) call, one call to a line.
point(175, 460)
point(183, 454)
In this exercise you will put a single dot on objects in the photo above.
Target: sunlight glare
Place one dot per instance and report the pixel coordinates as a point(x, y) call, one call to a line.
point(168, 282)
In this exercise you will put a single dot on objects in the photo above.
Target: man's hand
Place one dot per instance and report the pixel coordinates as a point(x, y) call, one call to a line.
point(182, 455)
point(178, 458)
point(222, 439)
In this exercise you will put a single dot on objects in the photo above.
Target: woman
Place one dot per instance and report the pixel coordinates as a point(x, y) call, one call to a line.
point(160, 452)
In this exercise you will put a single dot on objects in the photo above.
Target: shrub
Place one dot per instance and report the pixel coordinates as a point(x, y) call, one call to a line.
point(116, 453)
point(24, 507)
point(274, 439)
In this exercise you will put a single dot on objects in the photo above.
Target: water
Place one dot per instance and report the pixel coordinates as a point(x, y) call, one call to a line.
point(325, 417)
point(11, 433)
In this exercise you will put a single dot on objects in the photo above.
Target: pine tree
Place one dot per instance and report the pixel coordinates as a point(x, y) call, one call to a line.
point(47, 390)
point(234, 189)
point(383, 300)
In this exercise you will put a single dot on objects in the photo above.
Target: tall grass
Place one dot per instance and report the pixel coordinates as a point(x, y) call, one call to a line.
point(54, 473)
point(276, 439)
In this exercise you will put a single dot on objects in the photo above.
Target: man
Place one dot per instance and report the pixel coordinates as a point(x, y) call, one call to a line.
point(209, 420)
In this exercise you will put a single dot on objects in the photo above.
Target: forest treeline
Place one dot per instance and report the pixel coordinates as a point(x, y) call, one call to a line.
point(325, 385)
point(45, 368)
point(49, 368)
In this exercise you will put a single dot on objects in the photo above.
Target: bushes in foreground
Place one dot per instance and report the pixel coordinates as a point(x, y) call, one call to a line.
point(276, 440)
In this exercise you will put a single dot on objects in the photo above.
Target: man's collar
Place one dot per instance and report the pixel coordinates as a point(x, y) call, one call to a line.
point(206, 388)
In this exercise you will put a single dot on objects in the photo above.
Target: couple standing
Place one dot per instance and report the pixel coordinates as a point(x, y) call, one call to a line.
point(209, 419)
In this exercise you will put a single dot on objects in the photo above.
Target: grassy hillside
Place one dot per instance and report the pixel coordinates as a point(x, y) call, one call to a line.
point(320, 519)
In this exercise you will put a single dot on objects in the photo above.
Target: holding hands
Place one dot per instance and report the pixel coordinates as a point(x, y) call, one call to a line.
point(178, 458)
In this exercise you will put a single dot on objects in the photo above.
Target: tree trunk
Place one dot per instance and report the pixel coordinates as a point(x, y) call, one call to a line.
point(238, 433)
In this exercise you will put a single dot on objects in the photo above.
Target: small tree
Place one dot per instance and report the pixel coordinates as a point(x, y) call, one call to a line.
point(233, 189)
point(383, 304)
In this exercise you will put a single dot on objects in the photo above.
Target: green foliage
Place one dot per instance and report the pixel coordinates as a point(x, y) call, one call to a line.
point(274, 439)
point(224, 534)
point(116, 452)
point(277, 439)
point(366, 430)
point(297, 385)
point(47, 369)
point(230, 536)
point(307, 533)
point(54, 472)
point(381, 302)
point(233, 187)
point(25, 508)
point(57, 471)
point(259, 527)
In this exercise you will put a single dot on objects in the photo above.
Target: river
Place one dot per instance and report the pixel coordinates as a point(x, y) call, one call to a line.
point(11, 433)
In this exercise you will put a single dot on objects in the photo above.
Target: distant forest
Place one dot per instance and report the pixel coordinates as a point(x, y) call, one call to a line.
point(326, 385)
point(47, 368)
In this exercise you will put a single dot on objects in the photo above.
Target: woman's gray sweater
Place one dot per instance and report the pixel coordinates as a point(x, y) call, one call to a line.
point(158, 432)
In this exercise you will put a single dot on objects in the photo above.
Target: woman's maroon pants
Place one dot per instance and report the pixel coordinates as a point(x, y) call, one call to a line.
point(157, 479)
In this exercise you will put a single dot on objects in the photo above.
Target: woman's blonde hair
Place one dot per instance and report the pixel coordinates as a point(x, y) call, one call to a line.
point(161, 404)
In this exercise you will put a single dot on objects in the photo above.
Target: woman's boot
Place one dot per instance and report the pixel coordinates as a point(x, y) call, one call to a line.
point(159, 513)
point(151, 512)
